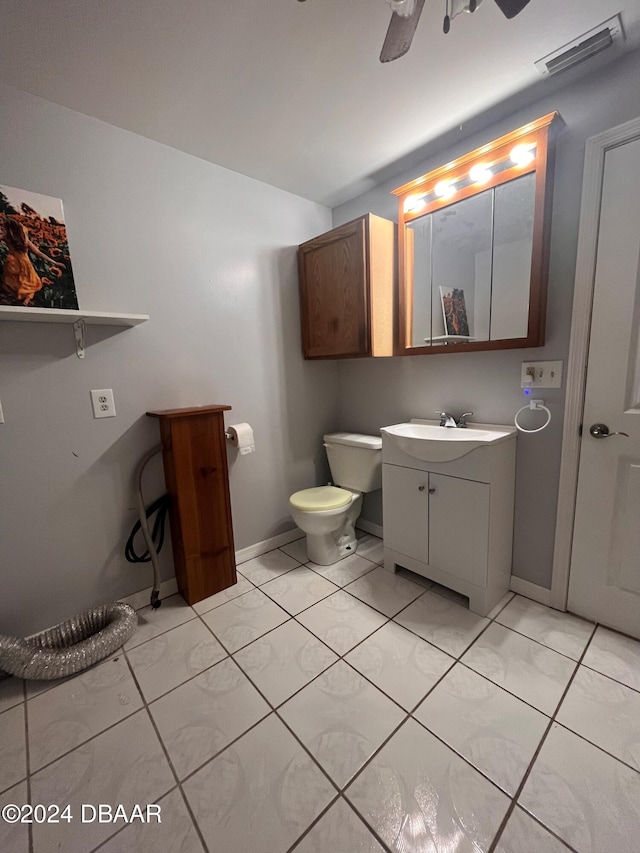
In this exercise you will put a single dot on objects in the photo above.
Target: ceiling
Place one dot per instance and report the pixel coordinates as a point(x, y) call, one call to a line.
point(289, 93)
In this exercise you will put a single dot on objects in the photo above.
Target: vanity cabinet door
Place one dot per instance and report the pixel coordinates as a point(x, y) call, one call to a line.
point(459, 527)
point(347, 290)
point(405, 495)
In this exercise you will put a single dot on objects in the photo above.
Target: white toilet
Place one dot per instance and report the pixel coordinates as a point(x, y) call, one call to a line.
point(328, 514)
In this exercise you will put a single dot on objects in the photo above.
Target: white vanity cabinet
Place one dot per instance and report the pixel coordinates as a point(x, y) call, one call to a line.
point(452, 522)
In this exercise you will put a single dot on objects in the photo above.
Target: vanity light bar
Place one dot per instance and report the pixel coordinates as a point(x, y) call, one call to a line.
point(481, 173)
point(489, 165)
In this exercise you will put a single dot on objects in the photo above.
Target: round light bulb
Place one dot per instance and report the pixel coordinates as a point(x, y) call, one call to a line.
point(522, 155)
point(444, 189)
point(414, 203)
point(480, 174)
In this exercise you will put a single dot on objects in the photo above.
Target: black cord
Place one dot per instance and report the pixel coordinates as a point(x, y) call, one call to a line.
point(161, 506)
point(447, 20)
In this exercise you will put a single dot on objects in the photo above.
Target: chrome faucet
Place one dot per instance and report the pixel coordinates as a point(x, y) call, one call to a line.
point(447, 420)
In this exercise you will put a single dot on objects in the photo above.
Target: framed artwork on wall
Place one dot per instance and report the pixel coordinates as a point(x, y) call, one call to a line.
point(35, 263)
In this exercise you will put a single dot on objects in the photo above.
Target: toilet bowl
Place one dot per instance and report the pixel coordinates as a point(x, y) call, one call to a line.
point(327, 514)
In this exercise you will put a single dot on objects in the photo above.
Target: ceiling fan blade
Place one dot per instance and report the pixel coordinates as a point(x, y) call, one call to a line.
point(511, 8)
point(400, 34)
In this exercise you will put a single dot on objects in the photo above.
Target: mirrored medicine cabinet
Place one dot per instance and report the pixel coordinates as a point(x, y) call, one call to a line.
point(473, 247)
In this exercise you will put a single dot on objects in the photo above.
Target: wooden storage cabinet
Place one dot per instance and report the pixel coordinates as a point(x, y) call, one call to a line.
point(347, 290)
point(196, 474)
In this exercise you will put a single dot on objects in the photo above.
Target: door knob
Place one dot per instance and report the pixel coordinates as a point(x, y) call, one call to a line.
point(421, 488)
point(602, 431)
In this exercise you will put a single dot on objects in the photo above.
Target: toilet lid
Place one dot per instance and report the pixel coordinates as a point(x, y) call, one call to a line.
point(322, 497)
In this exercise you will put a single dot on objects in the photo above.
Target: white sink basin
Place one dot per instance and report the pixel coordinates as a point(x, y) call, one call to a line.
point(428, 441)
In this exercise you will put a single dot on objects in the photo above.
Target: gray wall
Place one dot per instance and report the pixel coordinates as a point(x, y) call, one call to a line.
point(210, 255)
point(378, 392)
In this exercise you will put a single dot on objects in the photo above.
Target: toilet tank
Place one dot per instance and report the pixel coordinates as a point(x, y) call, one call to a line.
point(355, 460)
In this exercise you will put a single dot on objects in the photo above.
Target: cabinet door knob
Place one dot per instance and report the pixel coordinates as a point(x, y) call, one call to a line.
point(432, 491)
point(421, 488)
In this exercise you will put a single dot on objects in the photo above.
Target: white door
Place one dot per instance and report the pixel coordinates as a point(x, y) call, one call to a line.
point(604, 582)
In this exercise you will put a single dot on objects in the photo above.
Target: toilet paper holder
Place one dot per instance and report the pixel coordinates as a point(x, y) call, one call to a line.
point(241, 437)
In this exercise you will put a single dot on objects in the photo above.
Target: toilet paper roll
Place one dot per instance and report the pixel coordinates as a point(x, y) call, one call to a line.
point(241, 436)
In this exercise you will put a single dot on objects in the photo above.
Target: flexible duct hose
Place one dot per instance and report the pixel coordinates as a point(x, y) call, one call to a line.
point(69, 647)
point(83, 640)
point(144, 525)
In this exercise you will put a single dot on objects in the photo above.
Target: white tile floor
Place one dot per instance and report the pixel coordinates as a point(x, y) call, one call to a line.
point(336, 709)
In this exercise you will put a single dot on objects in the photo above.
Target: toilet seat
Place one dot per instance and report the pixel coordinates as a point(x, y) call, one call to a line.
point(320, 499)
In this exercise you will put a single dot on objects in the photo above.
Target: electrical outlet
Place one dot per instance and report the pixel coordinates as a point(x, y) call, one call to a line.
point(102, 402)
point(541, 374)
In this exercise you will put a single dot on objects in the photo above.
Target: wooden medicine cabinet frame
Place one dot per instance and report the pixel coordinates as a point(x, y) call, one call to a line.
point(417, 198)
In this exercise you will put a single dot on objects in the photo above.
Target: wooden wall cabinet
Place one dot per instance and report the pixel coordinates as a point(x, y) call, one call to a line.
point(347, 290)
point(196, 474)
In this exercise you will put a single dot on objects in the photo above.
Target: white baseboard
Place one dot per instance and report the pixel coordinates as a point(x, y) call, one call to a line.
point(369, 527)
point(142, 598)
point(170, 587)
point(531, 590)
point(252, 551)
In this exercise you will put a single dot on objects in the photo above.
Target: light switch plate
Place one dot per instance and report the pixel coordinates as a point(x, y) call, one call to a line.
point(546, 374)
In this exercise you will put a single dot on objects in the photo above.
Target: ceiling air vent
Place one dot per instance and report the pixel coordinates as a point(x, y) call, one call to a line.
point(585, 46)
